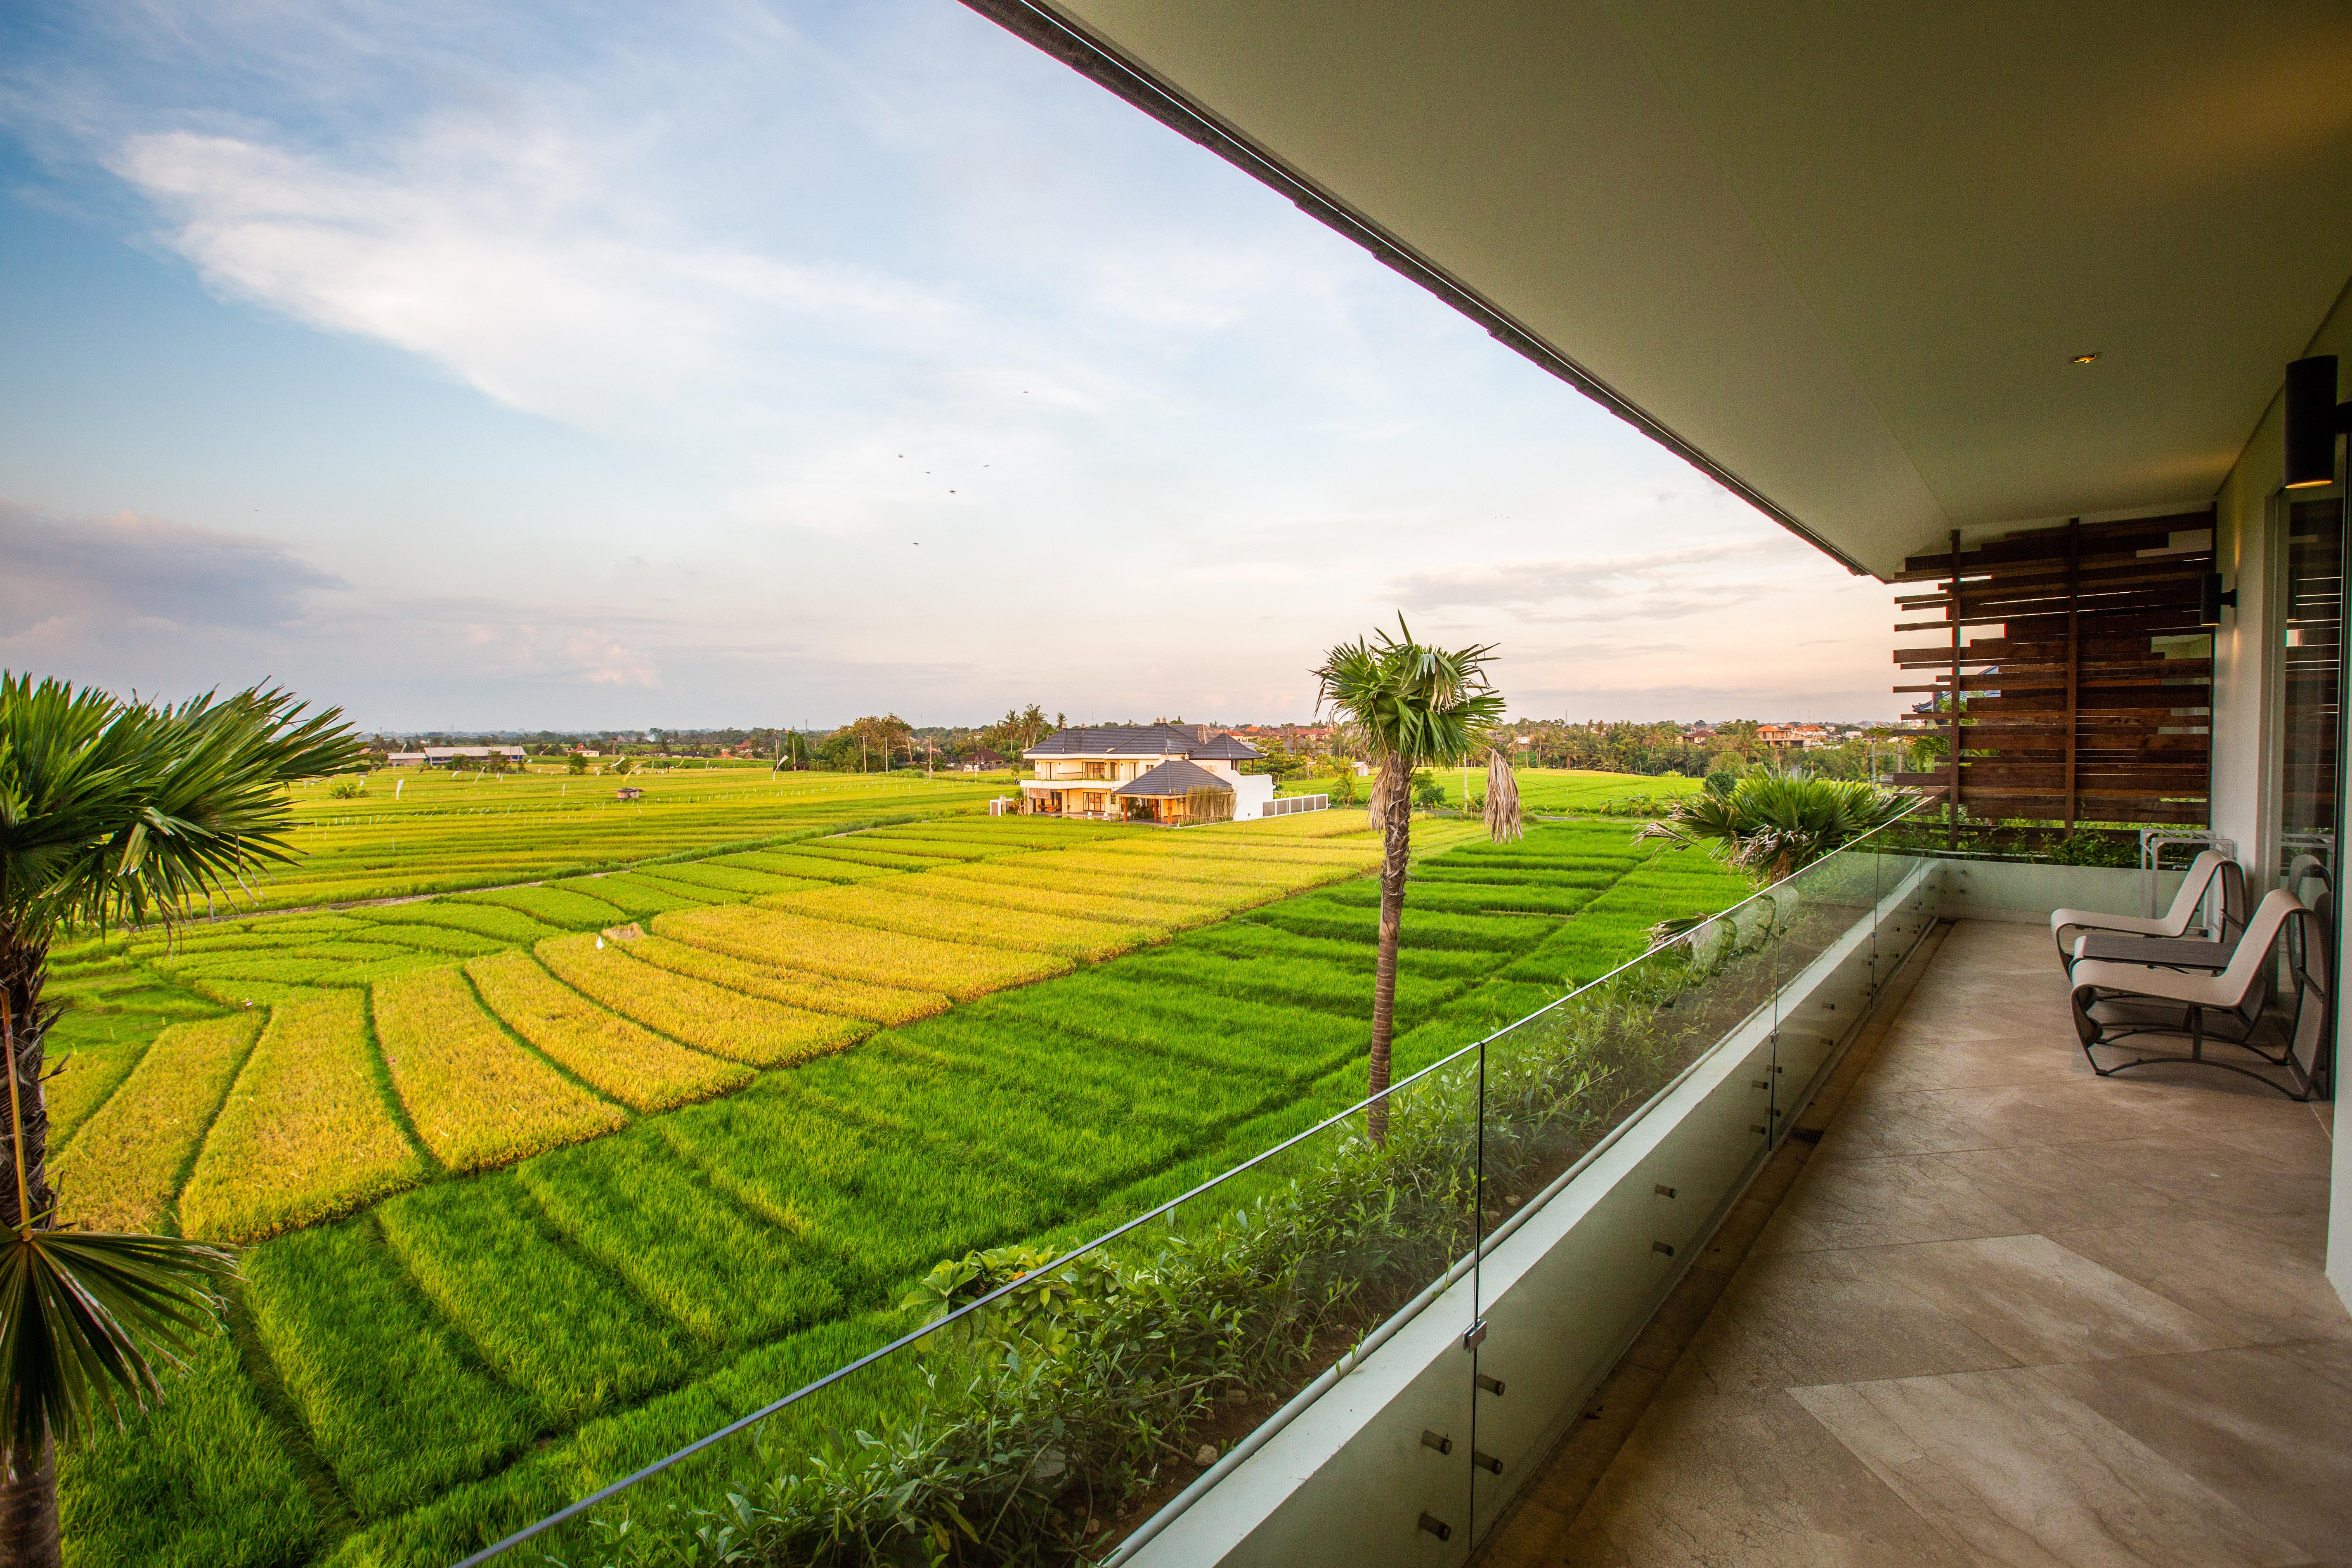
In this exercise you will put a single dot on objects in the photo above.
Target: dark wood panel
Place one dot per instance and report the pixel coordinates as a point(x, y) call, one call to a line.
point(2074, 710)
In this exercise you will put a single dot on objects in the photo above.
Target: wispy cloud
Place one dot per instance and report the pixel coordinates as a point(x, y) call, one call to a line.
point(838, 358)
point(126, 568)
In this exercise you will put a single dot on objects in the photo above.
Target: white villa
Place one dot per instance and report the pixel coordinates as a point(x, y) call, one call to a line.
point(453, 756)
point(1169, 774)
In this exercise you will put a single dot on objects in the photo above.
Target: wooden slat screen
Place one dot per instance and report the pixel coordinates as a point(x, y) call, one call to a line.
point(2088, 684)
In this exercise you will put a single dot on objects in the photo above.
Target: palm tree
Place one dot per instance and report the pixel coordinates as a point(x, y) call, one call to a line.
point(1408, 707)
point(1501, 808)
point(110, 812)
point(1774, 821)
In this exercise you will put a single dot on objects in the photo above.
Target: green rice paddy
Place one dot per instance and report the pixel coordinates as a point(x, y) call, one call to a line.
point(718, 1179)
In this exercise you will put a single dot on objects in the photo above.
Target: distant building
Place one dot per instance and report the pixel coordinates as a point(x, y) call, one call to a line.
point(404, 760)
point(627, 792)
point(1801, 737)
point(1157, 773)
point(446, 756)
point(981, 760)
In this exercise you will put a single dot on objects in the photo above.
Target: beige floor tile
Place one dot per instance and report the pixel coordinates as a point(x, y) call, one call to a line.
point(1801, 1318)
point(1750, 1479)
point(2246, 1424)
point(1880, 1121)
point(2213, 1179)
point(2260, 1276)
point(1977, 1060)
point(1846, 1202)
point(2030, 1298)
point(2049, 1187)
point(2084, 1109)
point(2223, 1108)
point(2025, 1476)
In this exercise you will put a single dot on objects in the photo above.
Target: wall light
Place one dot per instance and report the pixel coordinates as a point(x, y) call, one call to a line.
point(2083, 359)
point(2314, 420)
point(2212, 599)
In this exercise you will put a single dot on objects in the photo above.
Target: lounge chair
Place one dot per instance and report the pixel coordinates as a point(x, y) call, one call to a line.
point(2116, 1002)
point(2067, 924)
point(2208, 949)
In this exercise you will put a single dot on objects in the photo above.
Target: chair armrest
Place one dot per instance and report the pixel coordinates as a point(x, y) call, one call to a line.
point(2166, 984)
point(2091, 920)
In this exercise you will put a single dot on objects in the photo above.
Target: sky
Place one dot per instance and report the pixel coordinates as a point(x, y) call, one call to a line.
point(598, 366)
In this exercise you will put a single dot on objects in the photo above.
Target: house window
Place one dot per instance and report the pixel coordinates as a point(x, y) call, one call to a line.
point(2312, 733)
point(1095, 771)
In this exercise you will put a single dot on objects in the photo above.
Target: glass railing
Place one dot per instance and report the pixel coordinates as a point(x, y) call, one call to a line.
point(1096, 1401)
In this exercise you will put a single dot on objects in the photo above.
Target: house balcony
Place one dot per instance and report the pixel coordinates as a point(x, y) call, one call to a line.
point(2003, 1311)
point(1965, 1302)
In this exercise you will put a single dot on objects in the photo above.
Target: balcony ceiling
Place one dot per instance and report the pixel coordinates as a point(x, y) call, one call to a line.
point(1841, 253)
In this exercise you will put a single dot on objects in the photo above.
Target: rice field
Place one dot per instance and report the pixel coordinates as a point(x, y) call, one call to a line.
point(431, 830)
point(547, 1180)
point(1569, 791)
point(306, 1133)
point(478, 1097)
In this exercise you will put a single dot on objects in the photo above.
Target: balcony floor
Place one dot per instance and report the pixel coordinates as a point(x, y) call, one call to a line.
point(2007, 1313)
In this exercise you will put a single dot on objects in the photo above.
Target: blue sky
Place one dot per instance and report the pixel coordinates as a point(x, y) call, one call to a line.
point(613, 366)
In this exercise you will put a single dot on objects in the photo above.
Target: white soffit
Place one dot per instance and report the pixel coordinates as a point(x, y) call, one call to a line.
point(1844, 251)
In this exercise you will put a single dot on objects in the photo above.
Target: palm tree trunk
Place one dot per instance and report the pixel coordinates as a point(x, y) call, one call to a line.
point(28, 1514)
point(1392, 788)
point(28, 1497)
point(25, 1019)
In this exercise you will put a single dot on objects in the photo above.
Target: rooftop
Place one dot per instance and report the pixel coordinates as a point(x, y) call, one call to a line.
point(1140, 741)
point(1171, 778)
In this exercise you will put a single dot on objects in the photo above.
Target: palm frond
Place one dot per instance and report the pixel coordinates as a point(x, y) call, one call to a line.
point(88, 1320)
point(1774, 823)
point(112, 810)
point(1503, 824)
point(1407, 702)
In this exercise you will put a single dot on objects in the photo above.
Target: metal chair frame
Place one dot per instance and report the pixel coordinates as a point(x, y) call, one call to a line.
point(2306, 1038)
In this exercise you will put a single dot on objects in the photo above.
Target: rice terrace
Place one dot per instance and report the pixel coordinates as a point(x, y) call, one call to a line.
point(626, 1119)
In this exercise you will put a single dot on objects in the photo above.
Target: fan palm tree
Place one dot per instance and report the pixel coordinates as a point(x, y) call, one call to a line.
point(1774, 821)
point(1407, 706)
point(110, 812)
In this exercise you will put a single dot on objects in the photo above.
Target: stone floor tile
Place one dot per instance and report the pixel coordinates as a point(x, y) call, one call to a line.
point(2244, 1423)
point(1841, 1201)
point(2024, 1475)
point(1876, 1122)
point(2212, 1179)
point(2030, 1298)
point(2260, 1275)
point(1794, 1318)
point(2048, 1187)
point(1750, 1480)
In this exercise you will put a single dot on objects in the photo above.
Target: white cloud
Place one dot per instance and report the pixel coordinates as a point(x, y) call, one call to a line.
point(894, 365)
